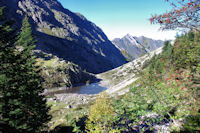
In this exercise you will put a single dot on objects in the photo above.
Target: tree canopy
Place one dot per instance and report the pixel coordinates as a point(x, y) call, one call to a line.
point(185, 14)
point(22, 106)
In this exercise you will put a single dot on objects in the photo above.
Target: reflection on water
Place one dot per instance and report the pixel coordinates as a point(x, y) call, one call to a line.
point(93, 88)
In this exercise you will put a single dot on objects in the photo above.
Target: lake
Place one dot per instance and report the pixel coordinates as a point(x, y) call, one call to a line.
point(93, 88)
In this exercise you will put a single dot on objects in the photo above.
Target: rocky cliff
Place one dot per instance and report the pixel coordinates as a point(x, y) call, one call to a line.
point(136, 46)
point(66, 34)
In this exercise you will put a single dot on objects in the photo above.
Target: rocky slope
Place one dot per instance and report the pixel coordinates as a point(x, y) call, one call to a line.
point(66, 34)
point(59, 73)
point(136, 46)
point(119, 80)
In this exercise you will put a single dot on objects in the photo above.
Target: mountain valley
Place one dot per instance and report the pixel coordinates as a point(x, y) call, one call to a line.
point(60, 73)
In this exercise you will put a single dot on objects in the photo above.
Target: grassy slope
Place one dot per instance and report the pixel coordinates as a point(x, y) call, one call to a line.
point(59, 73)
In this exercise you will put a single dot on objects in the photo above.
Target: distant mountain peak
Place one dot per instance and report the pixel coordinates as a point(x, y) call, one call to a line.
point(137, 46)
point(128, 35)
point(132, 40)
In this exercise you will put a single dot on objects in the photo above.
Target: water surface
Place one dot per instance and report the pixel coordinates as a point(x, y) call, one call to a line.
point(93, 88)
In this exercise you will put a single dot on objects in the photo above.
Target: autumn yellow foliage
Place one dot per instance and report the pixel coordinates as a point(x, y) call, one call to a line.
point(101, 116)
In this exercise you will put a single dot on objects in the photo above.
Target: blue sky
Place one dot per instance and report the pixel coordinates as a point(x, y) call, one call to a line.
point(119, 17)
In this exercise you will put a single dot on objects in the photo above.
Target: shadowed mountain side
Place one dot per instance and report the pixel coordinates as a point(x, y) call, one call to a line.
point(67, 35)
point(74, 52)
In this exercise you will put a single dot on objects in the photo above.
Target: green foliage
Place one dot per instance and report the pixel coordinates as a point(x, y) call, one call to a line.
point(59, 73)
point(129, 109)
point(186, 52)
point(6, 57)
point(132, 104)
point(167, 49)
point(25, 38)
point(101, 115)
point(168, 87)
point(22, 105)
point(172, 78)
point(158, 62)
point(192, 124)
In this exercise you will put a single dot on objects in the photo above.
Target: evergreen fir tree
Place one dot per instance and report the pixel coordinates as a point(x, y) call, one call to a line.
point(7, 59)
point(167, 49)
point(22, 106)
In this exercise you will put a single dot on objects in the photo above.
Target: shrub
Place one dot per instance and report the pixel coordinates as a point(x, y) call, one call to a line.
point(101, 115)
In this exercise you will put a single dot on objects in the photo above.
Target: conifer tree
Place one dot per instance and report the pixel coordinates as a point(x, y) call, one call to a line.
point(22, 106)
point(7, 58)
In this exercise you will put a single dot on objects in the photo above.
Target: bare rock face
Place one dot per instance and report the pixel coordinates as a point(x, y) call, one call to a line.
point(137, 46)
point(67, 35)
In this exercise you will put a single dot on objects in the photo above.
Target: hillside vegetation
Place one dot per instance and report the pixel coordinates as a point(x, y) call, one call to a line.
point(164, 98)
point(166, 93)
point(59, 73)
